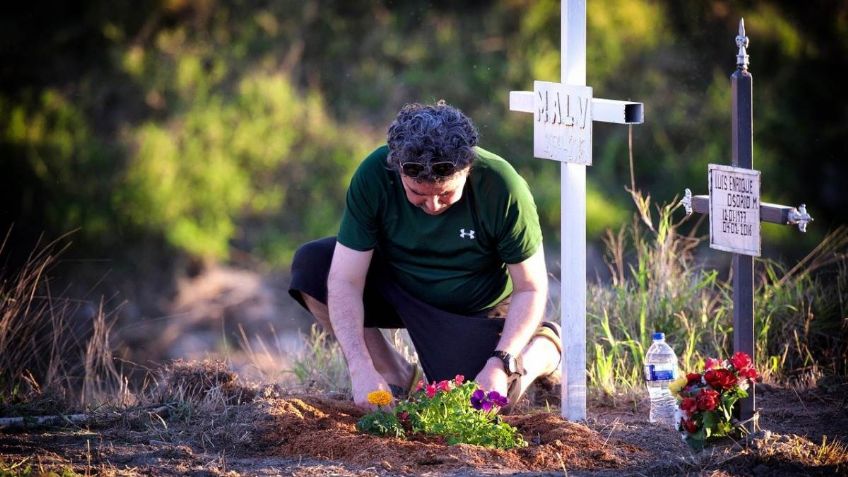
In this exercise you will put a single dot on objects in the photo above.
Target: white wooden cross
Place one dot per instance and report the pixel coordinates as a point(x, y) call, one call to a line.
point(562, 130)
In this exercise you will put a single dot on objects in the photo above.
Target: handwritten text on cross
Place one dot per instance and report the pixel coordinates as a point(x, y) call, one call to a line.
point(734, 209)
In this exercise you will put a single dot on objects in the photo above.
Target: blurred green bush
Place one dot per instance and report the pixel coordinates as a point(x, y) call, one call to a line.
point(222, 127)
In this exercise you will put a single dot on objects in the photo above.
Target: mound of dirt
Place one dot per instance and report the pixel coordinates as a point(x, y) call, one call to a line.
point(317, 427)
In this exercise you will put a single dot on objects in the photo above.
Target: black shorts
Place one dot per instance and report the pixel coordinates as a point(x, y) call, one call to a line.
point(447, 343)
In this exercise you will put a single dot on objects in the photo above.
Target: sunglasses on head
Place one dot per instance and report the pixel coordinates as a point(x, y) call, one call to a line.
point(415, 169)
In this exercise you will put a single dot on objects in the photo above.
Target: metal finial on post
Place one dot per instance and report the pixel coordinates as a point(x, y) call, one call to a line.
point(800, 217)
point(742, 44)
point(686, 202)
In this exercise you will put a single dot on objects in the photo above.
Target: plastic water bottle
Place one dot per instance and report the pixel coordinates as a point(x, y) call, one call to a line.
point(660, 371)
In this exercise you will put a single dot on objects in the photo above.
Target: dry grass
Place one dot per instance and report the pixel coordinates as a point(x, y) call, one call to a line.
point(772, 454)
point(794, 448)
point(201, 404)
point(56, 350)
point(320, 366)
point(207, 384)
point(29, 467)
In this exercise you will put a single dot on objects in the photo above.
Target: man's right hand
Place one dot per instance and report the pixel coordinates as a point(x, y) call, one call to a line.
point(363, 382)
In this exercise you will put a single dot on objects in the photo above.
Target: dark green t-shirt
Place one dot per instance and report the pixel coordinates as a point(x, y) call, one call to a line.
point(457, 260)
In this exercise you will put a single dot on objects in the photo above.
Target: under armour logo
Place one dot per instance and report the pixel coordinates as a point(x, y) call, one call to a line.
point(466, 235)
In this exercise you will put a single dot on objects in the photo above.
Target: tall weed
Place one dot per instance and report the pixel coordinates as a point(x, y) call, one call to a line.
point(802, 313)
point(55, 350)
point(657, 285)
point(320, 365)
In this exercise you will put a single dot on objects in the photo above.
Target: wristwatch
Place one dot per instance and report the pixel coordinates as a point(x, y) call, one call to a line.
point(510, 363)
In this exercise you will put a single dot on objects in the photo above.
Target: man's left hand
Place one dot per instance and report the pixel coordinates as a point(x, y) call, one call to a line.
point(493, 377)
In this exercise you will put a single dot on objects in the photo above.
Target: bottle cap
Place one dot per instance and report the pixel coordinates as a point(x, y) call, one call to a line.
point(659, 336)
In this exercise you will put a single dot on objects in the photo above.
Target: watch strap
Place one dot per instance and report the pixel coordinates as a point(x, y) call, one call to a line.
point(506, 358)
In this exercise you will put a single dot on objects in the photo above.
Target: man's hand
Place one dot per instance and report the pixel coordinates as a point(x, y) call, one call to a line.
point(363, 382)
point(345, 285)
point(526, 307)
point(493, 377)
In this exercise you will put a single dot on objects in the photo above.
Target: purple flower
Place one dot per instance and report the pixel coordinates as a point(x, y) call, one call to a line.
point(477, 399)
point(482, 401)
point(497, 399)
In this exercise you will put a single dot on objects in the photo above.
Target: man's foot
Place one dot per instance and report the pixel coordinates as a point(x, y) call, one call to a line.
point(541, 360)
point(552, 332)
point(400, 392)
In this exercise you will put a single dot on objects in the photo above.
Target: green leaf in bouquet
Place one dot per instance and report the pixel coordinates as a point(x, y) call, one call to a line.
point(723, 428)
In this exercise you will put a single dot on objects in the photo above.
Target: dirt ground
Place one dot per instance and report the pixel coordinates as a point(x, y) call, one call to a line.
point(275, 433)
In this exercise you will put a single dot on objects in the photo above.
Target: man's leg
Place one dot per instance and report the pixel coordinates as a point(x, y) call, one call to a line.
point(310, 266)
point(541, 357)
point(388, 362)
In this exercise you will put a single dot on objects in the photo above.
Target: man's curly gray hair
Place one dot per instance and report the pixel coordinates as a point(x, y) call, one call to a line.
point(427, 134)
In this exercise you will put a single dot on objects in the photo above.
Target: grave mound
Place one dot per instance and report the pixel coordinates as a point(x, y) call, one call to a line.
point(324, 428)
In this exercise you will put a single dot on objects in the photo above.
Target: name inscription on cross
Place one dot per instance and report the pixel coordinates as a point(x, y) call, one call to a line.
point(562, 130)
point(736, 211)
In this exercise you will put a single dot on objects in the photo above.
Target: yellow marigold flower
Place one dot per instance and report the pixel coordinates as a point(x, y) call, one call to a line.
point(380, 398)
point(678, 384)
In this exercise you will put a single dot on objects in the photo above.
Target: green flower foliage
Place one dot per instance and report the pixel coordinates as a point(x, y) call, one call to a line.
point(381, 423)
point(444, 410)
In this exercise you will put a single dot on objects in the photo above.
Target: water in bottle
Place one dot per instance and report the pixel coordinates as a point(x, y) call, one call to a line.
point(660, 371)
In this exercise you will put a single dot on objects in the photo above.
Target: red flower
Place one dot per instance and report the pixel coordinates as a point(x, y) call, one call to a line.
point(720, 378)
point(749, 373)
point(431, 390)
point(707, 399)
point(740, 361)
point(689, 425)
point(403, 416)
point(711, 363)
point(693, 378)
point(459, 379)
point(420, 385)
point(689, 405)
point(444, 385)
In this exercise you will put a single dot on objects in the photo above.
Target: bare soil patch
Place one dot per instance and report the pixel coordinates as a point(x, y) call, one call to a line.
point(805, 433)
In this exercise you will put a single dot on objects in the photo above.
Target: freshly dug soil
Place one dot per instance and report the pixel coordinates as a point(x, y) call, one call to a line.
point(317, 427)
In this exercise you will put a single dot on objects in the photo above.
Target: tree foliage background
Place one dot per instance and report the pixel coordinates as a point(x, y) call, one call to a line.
point(225, 128)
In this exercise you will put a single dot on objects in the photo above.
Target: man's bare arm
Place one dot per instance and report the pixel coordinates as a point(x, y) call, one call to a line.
point(345, 285)
point(527, 305)
point(526, 309)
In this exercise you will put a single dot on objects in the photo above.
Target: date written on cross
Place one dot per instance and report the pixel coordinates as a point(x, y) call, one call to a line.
point(736, 211)
point(740, 207)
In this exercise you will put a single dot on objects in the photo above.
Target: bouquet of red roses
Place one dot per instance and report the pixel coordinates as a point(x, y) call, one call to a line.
point(707, 399)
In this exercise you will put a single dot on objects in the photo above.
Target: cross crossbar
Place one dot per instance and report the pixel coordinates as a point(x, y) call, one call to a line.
point(603, 110)
point(772, 213)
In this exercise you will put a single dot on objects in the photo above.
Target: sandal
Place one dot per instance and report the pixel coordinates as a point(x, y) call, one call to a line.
point(400, 393)
point(551, 331)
